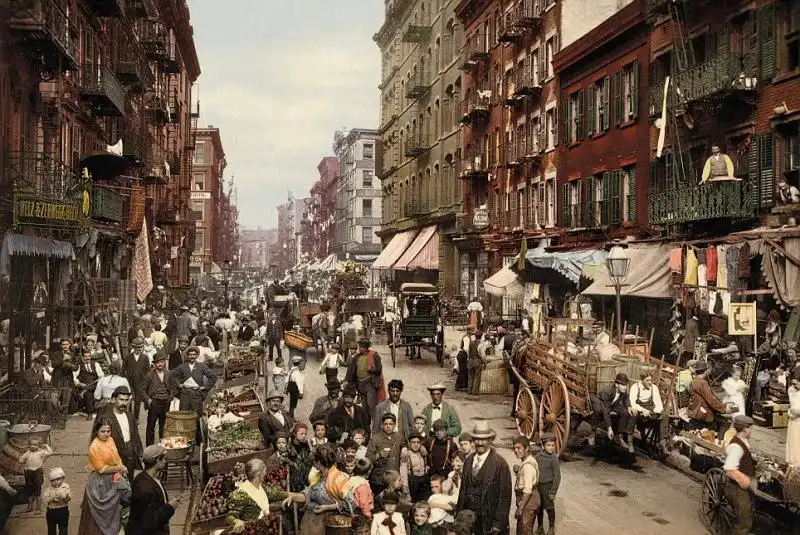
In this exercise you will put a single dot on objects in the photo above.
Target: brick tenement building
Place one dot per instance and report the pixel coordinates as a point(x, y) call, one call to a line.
point(603, 157)
point(207, 197)
point(734, 82)
point(319, 227)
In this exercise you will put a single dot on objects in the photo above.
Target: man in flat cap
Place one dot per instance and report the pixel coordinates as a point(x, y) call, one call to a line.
point(384, 451)
point(705, 408)
point(124, 430)
point(158, 390)
point(135, 368)
point(365, 372)
point(612, 409)
point(151, 508)
point(325, 404)
point(741, 471)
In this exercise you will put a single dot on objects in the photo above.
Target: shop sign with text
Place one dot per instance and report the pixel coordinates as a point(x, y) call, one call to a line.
point(481, 217)
point(200, 195)
point(30, 211)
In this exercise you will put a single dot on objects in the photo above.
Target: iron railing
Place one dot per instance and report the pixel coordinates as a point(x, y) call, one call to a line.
point(157, 106)
point(473, 165)
point(526, 14)
point(108, 8)
point(155, 40)
point(133, 71)
point(38, 174)
point(418, 85)
point(415, 208)
point(419, 27)
point(107, 204)
point(44, 21)
point(103, 89)
point(417, 144)
point(44, 405)
point(682, 203)
point(475, 106)
point(475, 50)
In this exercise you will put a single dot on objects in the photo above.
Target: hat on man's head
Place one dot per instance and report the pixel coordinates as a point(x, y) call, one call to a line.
point(41, 359)
point(183, 338)
point(388, 416)
point(621, 379)
point(297, 359)
point(438, 386)
point(350, 390)
point(482, 430)
point(152, 453)
point(333, 384)
point(701, 366)
point(91, 337)
point(439, 424)
point(547, 437)
point(742, 422)
point(121, 391)
point(138, 342)
point(184, 308)
point(415, 434)
point(274, 395)
point(280, 434)
point(159, 357)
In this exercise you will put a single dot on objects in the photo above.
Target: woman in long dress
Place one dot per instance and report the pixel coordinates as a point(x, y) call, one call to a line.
point(249, 501)
point(793, 431)
point(107, 489)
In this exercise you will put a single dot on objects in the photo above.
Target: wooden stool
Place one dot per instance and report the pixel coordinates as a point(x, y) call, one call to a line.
point(179, 467)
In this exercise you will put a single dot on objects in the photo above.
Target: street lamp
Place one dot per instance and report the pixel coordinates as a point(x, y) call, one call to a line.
point(617, 263)
point(226, 273)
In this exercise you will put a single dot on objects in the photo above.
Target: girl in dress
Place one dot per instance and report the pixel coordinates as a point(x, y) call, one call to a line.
point(735, 391)
point(793, 431)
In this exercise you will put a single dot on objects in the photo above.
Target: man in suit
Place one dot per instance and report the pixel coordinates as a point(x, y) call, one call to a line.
point(325, 404)
point(347, 417)
point(194, 379)
point(401, 409)
point(177, 357)
point(158, 390)
point(274, 420)
point(486, 488)
point(365, 372)
point(274, 334)
point(612, 408)
point(86, 378)
point(183, 323)
point(135, 368)
point(34, 376)
point(124, 430)
point(151, 508)
point(438, 409)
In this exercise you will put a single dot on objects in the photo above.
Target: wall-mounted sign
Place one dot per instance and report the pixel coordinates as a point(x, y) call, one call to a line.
point(195, 260)
point(30, 211)
point(480, 219)
point(200, 195)
point(742, 319)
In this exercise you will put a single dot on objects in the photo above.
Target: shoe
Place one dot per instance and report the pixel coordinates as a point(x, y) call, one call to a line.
point(551, 531)
point(539, 531)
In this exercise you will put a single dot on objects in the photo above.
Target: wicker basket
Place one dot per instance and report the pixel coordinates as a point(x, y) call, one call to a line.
point(297, 340)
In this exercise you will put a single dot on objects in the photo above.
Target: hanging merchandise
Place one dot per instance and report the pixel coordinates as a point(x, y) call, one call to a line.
point(690, 271)
point(712, 301)
point(711, 264)
point(702, 288)
point(744, 261)
point(675, 264)
point(732, 267)
point(722, 268)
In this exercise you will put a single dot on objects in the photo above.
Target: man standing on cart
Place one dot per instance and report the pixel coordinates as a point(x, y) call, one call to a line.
point(742, 483)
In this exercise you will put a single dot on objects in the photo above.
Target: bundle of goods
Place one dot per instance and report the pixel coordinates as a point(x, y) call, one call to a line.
point(297, 341)
point(177, 447)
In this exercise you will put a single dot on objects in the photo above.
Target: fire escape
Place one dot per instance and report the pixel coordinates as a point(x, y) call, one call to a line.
point(475, 108)
point(713, 78)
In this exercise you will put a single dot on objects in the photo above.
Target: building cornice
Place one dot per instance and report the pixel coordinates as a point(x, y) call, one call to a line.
point(176, 14)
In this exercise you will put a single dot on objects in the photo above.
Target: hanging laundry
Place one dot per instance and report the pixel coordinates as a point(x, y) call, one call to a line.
point(675, 255)
point(744, 261)
point(690, 275)
point(711, 263)
point(726, 301)
point(732, 266)
point(722, 268)
point(702, 287)
point(701, 255)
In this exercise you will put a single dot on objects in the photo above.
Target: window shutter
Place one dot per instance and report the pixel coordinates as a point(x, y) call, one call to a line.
point(635, 90)
point(556, 44)
point(616, 204)
point(590, 218)
point(619, 107)
point(579, 120)
point(565, 109)
point(542, 74)
point(606, 103)
point(565, 222)
point(541, 205)
point(768, 37)
point(766, 182)
point(631, 201)
point(604, 200)
point(541, 134)
point(590, 111)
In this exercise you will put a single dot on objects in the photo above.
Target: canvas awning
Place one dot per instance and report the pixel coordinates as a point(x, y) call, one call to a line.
point(423, 253)
point(504, 283)
point(567, 263)
point(329, 264)
point(396, 246)
point(648, 275)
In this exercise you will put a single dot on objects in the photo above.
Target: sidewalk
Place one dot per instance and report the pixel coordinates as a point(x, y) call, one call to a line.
point(70, 448)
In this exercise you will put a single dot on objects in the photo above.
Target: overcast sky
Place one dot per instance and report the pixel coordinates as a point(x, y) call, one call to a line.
point(278, 78)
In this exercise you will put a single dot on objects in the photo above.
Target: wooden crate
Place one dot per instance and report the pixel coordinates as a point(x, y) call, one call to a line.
point(226, 465)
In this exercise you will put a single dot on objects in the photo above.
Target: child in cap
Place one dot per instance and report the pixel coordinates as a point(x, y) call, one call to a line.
point(549, 480)
point(279, 375)
point(295, 384)
point(33, 460)
point(56, 498)
point(389, 521)
point(414, 469)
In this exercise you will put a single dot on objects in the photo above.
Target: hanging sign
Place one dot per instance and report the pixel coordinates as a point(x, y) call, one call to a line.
point(742, 319)
point(200, 195)
point(480, 219)
point(30, 211)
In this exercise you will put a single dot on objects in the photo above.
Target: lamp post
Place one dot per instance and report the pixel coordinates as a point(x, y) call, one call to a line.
point(226, 273)
point(617, 264)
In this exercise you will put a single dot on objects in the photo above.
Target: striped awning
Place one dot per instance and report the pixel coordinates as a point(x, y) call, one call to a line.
point(423, 253)
point(396, 246)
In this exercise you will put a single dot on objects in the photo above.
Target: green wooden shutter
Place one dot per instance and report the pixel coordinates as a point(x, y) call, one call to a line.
point(631, 200)
point(565, 116)
point(579, 120)
point(616, 195)
point(752, 172)
point(565, 219)
point(590, 111)
point(768, 38)
point(606, 103)
point(766, 182)
point(619, 105)
point(635, 70)
point(590, 219)
point(556, 137)
point(604, 203)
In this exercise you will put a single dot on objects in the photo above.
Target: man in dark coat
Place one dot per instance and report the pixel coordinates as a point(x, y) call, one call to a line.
point(325, 404)
point(274, 420)
point(274, 334)
point(176, 358)
point(158, 390)
point(486, 488)
point(124, 430)
point(194, 379)
point(87, 377)
point(611, 409)
point(348, 417)
point(151, 508)
point(365, 372)
point(135, 368)
point(64, 366)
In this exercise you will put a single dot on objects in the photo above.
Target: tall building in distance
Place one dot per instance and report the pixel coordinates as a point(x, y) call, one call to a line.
point(208, 197)
point(358, 195)
point(319, 225)
point(256, 247)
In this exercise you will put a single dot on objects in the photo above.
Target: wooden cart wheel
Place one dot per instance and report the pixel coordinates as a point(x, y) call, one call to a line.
point(391, 346)
point(526, 410)
point(716, 512)
point(554, 412)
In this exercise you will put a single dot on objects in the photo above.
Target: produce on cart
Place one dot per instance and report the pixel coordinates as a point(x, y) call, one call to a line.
point(242, 360)
point(233, 443)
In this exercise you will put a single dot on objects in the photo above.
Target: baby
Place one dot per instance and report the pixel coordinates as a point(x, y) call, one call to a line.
point(441, 504)
point(33, 460)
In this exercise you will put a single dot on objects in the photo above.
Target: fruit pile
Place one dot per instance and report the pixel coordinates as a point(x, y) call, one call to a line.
point(214, 503)
point(269, 525)
point(233, 435)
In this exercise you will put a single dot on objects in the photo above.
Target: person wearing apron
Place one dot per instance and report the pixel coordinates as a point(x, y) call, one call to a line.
point(742, 480)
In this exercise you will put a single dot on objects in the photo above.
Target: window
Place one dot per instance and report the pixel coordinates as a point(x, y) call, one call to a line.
point(550, 193)
point(629, 193)
point(791, 35)
point(199, 182)
point(550, 117)
point(366, 178)
point(572, 204)
point(551, 48)
point(599, 106)
point(630, 91)
point(369, 151)
point(198, 208)
point(199, 153)
point(199, 240)
point(535, 66)
point(366, 235)
point(573, 118)
point(366, 207)
point(608, 197)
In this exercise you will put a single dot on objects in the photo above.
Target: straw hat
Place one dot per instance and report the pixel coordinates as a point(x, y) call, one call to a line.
point(482, 430)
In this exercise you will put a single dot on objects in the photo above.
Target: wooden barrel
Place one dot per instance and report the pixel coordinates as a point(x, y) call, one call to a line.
point(494, 378)
point(338, 525)
point(181, 424)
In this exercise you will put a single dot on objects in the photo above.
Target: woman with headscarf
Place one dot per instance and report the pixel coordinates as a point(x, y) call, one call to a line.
point(107, 488)
point(249, 501)
point(325, 493)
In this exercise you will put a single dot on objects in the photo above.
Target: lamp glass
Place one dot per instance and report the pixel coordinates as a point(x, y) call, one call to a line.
point(617, 264)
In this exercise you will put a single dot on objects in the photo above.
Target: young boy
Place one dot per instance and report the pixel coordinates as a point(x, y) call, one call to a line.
point(525, 487)
point(33, 460)
point(549, 480)
point(359, 438)
point(330, 364)
point(465, 444)
point(295, 384)
point(56, 499)
point(319, 437)
point(221, 416)
point(384, 451)
point(389, 521)
point(348, 463)
point(414, 469)
point(441, 505)
point(421, 516)
point(420, 425)
point(279, 375)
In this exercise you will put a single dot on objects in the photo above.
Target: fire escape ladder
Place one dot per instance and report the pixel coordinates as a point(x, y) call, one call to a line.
point(683, 53)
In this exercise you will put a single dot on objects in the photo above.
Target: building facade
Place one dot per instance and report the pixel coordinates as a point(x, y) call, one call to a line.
point(208, 198)
point(319, 227)
point(358, 195)
point(421, 87)
point(255, 246)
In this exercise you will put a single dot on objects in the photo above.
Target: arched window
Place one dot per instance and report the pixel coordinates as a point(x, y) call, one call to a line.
point(437, 186)
point(436, 112)
point(428, 189)
point(438, 53)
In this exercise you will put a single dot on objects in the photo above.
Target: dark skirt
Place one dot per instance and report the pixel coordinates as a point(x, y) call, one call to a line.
point(462, 379)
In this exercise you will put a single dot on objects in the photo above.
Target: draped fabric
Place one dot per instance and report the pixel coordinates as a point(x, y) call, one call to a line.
point(782, 274)
point(136, 212)
point(141, 265)
point(336, 483)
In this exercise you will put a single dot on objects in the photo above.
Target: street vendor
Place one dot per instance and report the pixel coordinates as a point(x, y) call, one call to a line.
point(741, 470)
point(195, 379)
point(612, 406)
point(249, 501)
point(705, 409)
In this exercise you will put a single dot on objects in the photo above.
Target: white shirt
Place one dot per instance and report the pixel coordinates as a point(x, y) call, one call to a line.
point(733, 455)
point(279, 416)
point(97, 369)
point(297, 377)
point(379, 529)
point(436, 413)
point(394, 408)
point(122, 419)
point(106, 386)
point(438, 516)
point(478, 460)
point(215, 422)
point(638, 393)
point(330, 361)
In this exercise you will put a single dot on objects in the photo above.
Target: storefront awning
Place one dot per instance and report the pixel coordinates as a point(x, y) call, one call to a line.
point(504, 283)
point(648, 275)
point(19, 245)
point(329, 264)
point(394, 249)
point(423, 253)
point(567, 263)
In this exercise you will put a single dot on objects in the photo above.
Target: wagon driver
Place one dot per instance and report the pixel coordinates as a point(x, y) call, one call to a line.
point(365, 372)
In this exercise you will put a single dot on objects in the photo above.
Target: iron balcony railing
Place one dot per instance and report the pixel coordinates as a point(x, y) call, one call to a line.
point(142, 8)
point(419, 27)
point(417, 144)
point(155, 40)
point(527, 13)
point(418, 85)
point(415, 208)
point(107, 204)
point(686, 202)
point(134, 72)
point(38, 174)
point(474, 165)
point(134, 145)
point(48, 32)
point(475, 106)
point(101, 87)
point(655, 7)
point(510, 32)
point(107, 8)
point(158, 107)
point(474, 51)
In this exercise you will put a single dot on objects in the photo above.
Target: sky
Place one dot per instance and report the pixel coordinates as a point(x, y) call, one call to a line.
point(279, 77)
